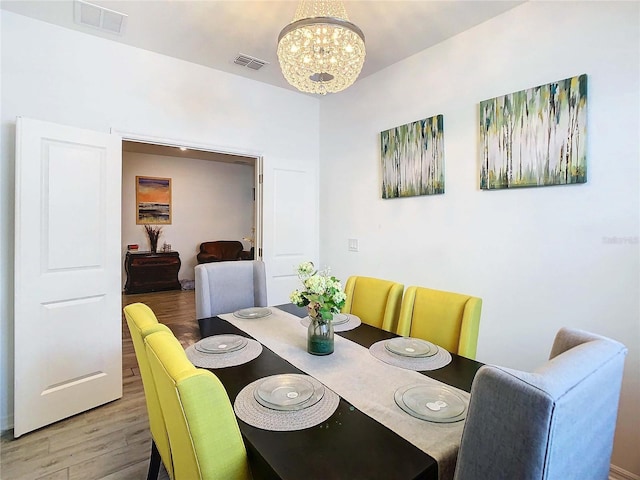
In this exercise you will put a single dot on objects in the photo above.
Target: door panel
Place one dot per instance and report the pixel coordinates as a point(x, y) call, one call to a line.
point(76, 240)
point(295, 210)
point(67, 272)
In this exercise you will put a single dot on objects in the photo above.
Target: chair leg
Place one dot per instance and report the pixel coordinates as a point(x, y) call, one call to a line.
point(154, 462)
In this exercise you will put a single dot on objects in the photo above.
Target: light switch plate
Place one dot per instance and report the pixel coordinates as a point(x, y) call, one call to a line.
point(353, 244)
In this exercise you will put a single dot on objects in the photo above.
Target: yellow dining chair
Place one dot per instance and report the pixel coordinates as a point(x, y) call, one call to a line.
point(206, 443)
point(376, 302)
point(141, 322)
point(450, 320)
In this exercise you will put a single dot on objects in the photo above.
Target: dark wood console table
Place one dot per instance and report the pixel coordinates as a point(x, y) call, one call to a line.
point(151, 272)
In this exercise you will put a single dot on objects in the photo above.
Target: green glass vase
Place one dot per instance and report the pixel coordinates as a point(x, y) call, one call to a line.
point(320, 336)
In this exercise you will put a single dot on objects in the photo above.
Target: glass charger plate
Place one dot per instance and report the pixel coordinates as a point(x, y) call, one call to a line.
point(221, 344)
point(340, 318)
point(253, 312)
point(288, 392)
point(433, 403)
point(411, 347)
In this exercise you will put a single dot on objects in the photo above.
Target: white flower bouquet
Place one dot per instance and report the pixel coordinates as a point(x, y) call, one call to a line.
point(322, 293)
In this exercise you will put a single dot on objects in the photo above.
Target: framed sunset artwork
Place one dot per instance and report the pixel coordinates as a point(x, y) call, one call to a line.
point(153, 200)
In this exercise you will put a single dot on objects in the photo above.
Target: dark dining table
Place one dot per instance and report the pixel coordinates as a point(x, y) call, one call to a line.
point(350, 445)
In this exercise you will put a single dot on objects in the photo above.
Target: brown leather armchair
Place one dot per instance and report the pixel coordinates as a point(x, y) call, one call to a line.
point(221, 251)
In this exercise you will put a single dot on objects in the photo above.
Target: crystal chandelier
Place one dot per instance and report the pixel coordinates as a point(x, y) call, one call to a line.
point(321, 51)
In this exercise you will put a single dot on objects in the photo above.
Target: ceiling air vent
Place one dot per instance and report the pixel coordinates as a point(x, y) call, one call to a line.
point(249, 62)
point(99, 17)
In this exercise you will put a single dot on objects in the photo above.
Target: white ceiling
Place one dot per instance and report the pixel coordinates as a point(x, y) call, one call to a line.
point(212, 33)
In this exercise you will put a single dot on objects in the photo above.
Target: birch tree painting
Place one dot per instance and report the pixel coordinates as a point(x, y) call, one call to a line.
point(535, 137)
point(412, 159)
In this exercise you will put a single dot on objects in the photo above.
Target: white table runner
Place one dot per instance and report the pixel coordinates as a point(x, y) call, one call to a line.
point(361, 379)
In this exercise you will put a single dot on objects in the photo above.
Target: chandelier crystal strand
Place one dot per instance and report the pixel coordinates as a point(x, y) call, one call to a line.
point(320, 8)
point(320, 51)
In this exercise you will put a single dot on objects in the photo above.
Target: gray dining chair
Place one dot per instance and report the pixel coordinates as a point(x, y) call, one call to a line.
point(554, 423)
point(223, 287)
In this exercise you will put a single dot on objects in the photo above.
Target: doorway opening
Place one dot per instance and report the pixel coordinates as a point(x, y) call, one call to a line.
point(213, 196)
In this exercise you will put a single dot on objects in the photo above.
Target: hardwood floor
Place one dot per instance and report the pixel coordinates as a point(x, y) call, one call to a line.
point(111, 442)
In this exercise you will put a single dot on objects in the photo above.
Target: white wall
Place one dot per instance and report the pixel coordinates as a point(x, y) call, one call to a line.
point(210, 201)
point(540, 258)
point(58, 75)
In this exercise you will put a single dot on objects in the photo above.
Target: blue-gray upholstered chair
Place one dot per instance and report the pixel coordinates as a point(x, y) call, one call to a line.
point(556, 423)
point(224, 287)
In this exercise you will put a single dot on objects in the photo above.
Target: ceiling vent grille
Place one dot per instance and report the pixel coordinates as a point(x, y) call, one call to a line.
point(249, 62)
point(99, 17)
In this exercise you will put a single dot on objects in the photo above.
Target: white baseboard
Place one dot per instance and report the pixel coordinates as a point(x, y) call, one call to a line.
point(617, 473)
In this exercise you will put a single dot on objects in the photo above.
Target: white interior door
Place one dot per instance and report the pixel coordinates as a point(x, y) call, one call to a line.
point(68, 323)
point(293, 202)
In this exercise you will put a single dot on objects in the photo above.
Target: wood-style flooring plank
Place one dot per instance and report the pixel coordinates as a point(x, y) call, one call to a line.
point(110, 442)
point(52, 462)
point(118, 459)
point(59, 475)
point(137, 470)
